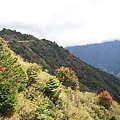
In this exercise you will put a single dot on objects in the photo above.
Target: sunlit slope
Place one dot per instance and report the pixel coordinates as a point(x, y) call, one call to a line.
point(51, 56)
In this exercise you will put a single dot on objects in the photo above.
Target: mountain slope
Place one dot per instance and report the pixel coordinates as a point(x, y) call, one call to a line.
point(105, 56)
point(33, 103)
point(51, 56)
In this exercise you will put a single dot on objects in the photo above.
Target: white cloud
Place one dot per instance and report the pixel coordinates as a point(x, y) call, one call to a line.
point(68, 22)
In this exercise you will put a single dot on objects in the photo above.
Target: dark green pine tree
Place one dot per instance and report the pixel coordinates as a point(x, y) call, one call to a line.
point(53, 89)
point(13, 79)
point(8, 99)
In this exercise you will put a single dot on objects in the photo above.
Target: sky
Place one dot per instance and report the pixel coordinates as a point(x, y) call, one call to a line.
point(67, 22)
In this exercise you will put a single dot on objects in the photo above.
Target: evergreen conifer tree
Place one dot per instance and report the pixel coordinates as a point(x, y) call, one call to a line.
point(52, 89)
point(13, 79)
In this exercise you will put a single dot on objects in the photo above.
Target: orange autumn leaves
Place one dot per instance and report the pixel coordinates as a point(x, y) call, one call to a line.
point(105, 99)
point(67, 77)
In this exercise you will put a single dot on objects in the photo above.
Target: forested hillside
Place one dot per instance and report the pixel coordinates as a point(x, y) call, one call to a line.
point(105, 56)
point(50, 56)
point(27, 92)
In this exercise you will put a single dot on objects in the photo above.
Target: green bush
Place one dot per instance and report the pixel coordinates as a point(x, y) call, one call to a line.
point(45, 110)
point(8, 100)
point(12, 71)
point(33, 73)
point(13, 79)
point(53, 89)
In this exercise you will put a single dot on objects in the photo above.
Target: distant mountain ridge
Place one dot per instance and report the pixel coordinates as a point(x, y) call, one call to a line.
point(51, 56)
point(105, 56)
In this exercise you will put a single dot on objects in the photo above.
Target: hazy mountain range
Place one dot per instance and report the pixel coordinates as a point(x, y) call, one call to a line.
point(105, 56)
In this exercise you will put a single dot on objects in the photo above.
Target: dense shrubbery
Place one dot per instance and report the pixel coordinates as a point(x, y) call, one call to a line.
point(33, 71)
point(13, 79)
point(45, 110)
point(8, 99)
point(105, 99)
point(12, 71)
point(52, 89)
point(67, 77)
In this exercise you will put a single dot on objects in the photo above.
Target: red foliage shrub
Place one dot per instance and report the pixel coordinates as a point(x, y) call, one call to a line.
point(105, 99)
point(0, 68)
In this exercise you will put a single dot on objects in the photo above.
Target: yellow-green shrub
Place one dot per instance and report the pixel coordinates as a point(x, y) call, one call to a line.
point(67, 77)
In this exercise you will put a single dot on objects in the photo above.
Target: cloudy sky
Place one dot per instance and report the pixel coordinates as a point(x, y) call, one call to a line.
point(67, 22)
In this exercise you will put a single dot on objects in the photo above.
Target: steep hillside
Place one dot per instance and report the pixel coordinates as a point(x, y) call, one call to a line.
point(51, 56)
point(105, 56)
point(44, 97)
